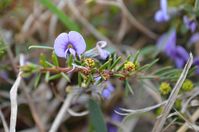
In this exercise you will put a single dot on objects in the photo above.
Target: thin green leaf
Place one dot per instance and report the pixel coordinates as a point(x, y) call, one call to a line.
point(37, 79)
point(162, 70)
point(69, 23)
point(55, 59)
point(70, 60)
point(105, 64)
point(40, 47)
point(47, 75)
point(128, 87)
point(53, 77)
point(136, 56)
point(42, 60)
point(119, 75)
point(96, 117)
point(49, 64)
point(148, 66)
point(65, 76)
point(115, 62)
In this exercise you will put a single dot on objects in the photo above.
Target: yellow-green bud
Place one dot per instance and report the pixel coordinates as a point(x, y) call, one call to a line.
point(165, 88)
point(129, 66)
point(178, 104)
point(187, 85)
point(89, 62)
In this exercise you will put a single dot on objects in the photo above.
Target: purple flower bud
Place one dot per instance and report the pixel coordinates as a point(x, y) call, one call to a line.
point(71, 43)
point(162, 14)
point(103, 54)
point(190, 24)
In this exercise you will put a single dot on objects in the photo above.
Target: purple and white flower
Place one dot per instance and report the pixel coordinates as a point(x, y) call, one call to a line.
point(69, 43)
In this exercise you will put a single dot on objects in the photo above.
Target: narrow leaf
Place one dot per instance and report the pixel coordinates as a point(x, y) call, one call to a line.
point(40, 47)
point(115, 63)
point(96, 117)
point(37, 79)
point(55, 59)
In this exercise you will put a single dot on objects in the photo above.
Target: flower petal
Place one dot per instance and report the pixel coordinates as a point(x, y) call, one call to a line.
point(194, 38)
point(77, 42)
point(179, 63)
point(103, 54)
point(182, 53)
point(72, 51)
point(167, 42)
point(60, 44)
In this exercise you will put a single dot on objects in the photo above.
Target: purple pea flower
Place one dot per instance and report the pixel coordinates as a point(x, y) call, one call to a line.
point(107, 91)
point(162, 14)
point(71, 43)
point(167, 44)
point(190, 24)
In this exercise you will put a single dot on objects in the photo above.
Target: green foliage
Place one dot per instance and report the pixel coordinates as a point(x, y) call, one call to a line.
point(128, 88)
point(96, 117)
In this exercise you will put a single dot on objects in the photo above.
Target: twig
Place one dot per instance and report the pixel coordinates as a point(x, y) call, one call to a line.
point(130, 17)
point(73, 113)
point(173, 96)
point(194, 117)
point(13, 98)
point(184, 107)
point(62, 111)
point(5, 125)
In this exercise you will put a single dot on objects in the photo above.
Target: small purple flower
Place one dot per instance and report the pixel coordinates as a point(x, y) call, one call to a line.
point(167, 44)
point(162, 14)
point(71, 43)
point(190, 24)
point(194, 38)
point(107, 91)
